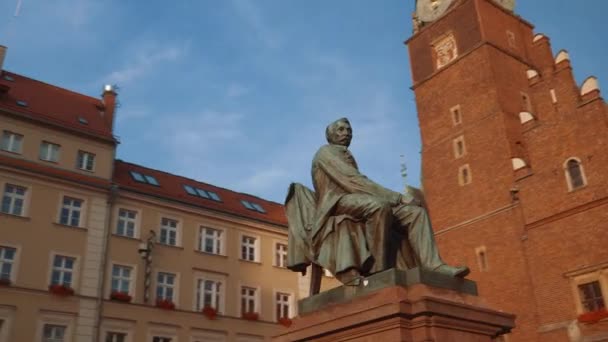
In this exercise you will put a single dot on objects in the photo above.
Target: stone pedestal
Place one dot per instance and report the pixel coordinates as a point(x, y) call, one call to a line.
point(412, 306)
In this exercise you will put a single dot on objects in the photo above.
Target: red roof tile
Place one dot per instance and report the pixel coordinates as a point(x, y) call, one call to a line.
point(53, 104)
point(172, 187)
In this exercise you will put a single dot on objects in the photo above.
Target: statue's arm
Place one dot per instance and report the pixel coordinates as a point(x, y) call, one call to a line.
point(349, 178)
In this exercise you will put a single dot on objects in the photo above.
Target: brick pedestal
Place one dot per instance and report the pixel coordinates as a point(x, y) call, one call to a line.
point(410, 306)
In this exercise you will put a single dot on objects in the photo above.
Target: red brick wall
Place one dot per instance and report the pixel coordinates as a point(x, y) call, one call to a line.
point(547, 231)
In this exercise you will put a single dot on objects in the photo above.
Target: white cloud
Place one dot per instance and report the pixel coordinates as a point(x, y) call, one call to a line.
point(251, 14)
point(144, 61)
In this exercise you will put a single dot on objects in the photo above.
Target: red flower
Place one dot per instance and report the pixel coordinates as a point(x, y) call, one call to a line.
point(593, 316)
point(61, 290)
point(285, 321)
point(210, 312)
point(5, 282)
point(251, 316)
point(166, 304)
point(120, 296)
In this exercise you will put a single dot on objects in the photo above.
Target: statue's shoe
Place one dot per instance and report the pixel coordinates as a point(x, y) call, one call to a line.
point(453, 271)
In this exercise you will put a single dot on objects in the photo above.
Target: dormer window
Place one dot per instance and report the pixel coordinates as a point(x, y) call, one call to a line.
point(194, 191)
point(253, 206)
point(143, 178)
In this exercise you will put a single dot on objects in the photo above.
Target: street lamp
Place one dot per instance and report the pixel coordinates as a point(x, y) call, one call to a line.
point(145, 251)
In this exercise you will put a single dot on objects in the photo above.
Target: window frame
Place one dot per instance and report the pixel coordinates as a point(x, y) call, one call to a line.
point(11, 142)
point(461, 180)
point(74, 271)
point(132, 278)
point(88, 155)
point(202, 236)
point(566, 168)
point(600, 275)
point(199, 301)
point(276, 253)
point(137, 221)
point(6, 315)
point(48, 152)
point(256, 299)
point(453, 111)
point(174, 287)
point(15, 263)
point(66, 320)
point(82, 211)
point(178, 228)
point(291, 303)
point(25, 199)
point(256, 247)
point(117, 326)
point(455, 143)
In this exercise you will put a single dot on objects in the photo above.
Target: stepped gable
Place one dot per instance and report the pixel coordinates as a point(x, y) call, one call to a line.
point(53, 105)
point(172, 187)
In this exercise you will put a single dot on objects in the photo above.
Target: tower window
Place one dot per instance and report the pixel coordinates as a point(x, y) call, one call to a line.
point(526, 103)
point(456, 115)
point(459, 147)
point(464, 175)
point(575, 176)
point(511, 38)
point(482, 260)
point(591, 296)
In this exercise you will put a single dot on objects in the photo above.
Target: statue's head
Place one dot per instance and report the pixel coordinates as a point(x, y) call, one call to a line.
point(339, 132)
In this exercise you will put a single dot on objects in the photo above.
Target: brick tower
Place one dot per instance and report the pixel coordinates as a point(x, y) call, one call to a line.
point(515, 165)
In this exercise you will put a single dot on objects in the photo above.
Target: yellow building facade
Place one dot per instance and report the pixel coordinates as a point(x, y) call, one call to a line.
point(98, 249)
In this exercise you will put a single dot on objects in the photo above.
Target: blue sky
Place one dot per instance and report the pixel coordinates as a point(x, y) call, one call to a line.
point(237, 92)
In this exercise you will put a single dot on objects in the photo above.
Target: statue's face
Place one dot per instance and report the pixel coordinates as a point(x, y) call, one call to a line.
point(342, 134)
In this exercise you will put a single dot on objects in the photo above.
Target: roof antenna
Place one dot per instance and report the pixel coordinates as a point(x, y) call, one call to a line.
point(18, 9)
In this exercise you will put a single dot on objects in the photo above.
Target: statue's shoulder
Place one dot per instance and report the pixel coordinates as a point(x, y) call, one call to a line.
point(323, 151)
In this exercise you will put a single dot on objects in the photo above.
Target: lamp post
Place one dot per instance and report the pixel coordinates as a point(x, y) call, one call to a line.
point(145, 251)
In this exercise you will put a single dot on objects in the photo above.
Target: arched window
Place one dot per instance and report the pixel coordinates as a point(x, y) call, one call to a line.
point(574, 174)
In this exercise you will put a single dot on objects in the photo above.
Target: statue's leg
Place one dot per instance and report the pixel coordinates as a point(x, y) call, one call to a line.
point(378, 216)
point(420, 235)
point(421, 239)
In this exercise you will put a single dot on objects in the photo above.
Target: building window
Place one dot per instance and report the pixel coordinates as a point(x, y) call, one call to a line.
point(280, 255)
point(85, 161)
point(168, 231)
point(116, 337)
point(591, 296)
point(194, 191)
point(63, 270)
point(464, 175)
point(456, 115)
point(575, 177)
point(127, 220)
point(161, 339)
point(209, 294)
point(165, 286)
point(70, 211)
point(143, 178)
point(13, 201)
point(248, 299)
point(249, 248)
point(445, 50)
point(211, 240)
point(49, 151)
point(12, 142)
point(253, 206)
point(7, 260)
point(459, 147)
point(53, 333)
point(283, 305)
point(121, 278)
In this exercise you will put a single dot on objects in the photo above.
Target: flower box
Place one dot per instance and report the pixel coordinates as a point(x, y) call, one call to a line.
point(61, 290)
point(5, 282)
point(165, 304)
point(285, 321)
point(210, 312)
point(251, 316)
point(593, 316)
point(120, 297)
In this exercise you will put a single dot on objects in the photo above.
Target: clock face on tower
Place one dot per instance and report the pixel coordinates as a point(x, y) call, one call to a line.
point(506, 4)
point(429, 10)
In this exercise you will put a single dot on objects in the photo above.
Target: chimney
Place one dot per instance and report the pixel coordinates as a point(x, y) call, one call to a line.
point(109, 103)
point(2, 55)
